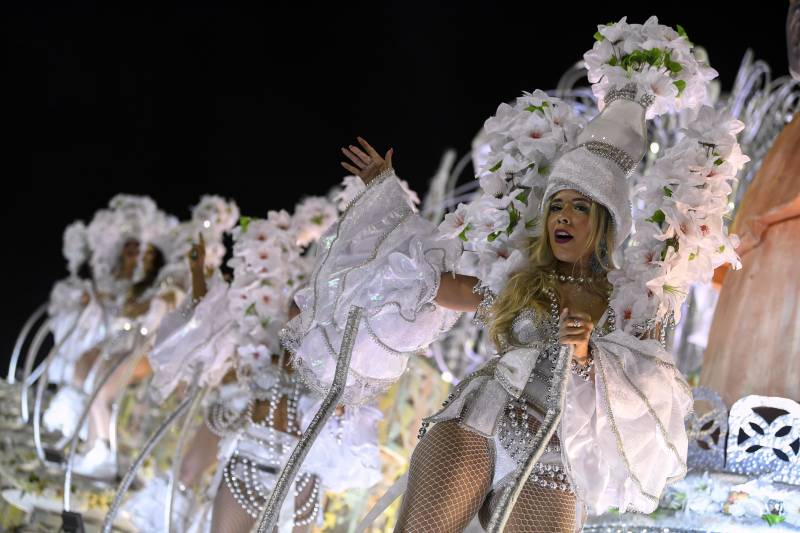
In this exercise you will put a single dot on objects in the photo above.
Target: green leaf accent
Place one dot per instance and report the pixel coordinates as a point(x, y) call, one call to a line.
point(598, 36)
point(613, 61)
point(530, 224)
point(692, 256)
point(533, 108)
point(463, 234)
point(266, 283)
point(667, 192)
point(772, 519)
point(672, 242)
point(496, 167)
point(544, 171)
point(265, 323)
point(681, 31)
point(719, 161)
point(613, 510)
point(244, 222)
point(658, 217)
point(251, 310)
point(523, 196)
point(492, 236)
point(721, 248)
point(673, 66)
point(513, 218)
point(681, 85)
point(318, 220)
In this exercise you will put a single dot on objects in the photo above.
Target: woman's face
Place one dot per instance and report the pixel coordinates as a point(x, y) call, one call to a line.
point(568, 226)
point(130, 255)
point(149, 259)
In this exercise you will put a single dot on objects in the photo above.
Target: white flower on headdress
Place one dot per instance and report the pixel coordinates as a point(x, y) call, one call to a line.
point(454, 223)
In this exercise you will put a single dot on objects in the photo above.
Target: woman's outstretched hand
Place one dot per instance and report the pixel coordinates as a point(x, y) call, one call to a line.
point(366, 163)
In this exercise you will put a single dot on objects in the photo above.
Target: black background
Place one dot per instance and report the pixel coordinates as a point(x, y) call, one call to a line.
point(254, 104)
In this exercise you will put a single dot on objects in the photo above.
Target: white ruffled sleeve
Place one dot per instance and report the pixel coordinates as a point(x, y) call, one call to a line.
point(205, 336)
point(623, 435)
point(382, 256)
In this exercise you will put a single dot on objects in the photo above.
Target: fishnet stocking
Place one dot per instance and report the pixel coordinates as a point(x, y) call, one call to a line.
point(450, 473)
point(538, 510)
point(228, 516)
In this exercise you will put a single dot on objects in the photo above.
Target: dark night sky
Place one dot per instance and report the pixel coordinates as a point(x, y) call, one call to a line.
point(254, 105)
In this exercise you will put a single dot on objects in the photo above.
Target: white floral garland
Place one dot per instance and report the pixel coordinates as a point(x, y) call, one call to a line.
point(680, 238)
point(269, 266)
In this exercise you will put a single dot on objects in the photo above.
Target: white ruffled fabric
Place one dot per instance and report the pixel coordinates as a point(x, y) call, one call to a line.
point(346, 454)
point(383, 257)
point(205, 337)
point(623, 435)
point(76, 328)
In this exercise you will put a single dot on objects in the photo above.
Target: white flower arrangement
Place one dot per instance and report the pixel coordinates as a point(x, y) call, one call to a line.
point(264, 257)
point(708, 495)
point(657, 58)
point(523, 140)
point(680, 238)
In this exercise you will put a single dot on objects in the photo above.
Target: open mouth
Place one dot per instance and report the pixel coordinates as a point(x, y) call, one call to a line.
point(562, 236)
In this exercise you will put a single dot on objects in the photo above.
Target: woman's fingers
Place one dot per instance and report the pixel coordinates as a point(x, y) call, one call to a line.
point(355, 159)
point(370, 150)
point(361, 155)
point(573, 339)
point(351, 169)
point(388, 158)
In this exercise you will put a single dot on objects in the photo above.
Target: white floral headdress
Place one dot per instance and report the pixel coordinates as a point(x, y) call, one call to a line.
point(637, 71)
point(523, 140)
point(127, 217)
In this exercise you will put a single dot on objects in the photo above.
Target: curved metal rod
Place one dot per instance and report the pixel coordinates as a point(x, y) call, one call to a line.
point(151, 443)
point(269, 517)
point(178, 457)
point(30, 358)
point(84, 415)
point(41, 384)
point(37, 410)
point(35, 374)
point(558, 389)
point(23, 334)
